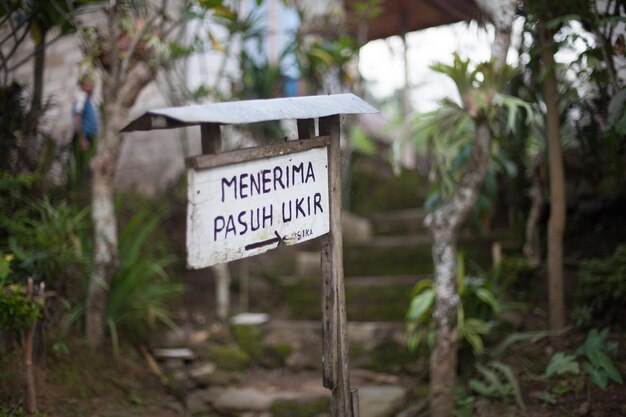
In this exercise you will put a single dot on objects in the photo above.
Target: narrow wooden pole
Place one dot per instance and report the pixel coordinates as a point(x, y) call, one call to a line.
point(332, 268)
point(31, 394)
point(306, 130)
point(211, 137)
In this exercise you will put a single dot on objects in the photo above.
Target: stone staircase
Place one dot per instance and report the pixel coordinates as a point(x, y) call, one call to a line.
point(268, 364)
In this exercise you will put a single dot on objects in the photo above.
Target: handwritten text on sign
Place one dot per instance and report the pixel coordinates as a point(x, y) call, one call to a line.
point(240, 210)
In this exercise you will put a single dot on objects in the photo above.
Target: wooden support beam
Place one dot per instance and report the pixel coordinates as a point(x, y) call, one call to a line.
point(332, 268)
point(211, 139)
point(306, 128)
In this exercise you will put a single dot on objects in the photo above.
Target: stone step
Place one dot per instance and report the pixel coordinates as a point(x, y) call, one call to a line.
point(369, 298)
point(282, 393)
point(379, 346)
point(394, 241)
point(387, 258)
point(363, 281)
point(399, 221)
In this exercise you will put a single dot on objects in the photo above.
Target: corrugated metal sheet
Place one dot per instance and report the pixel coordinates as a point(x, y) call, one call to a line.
point(251, 111)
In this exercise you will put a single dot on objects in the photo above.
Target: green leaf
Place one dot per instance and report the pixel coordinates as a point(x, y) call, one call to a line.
point(482, 389)
point(509, 375)
point(420, 304)
point(561, 364)
point(475, 341)
point(598, 377)
point(605, 363)
point(421, 286)
point(488, 298)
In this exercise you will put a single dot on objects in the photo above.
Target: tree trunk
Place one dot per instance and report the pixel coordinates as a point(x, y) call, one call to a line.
point(444, 224)
point(443, 361)
point(104, 220)
point(556, 223)
point(29, 153)
point(532, 245)
point(118, 99)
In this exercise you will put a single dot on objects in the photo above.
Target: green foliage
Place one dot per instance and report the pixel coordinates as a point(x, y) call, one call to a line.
point(361, 142)
point(497, 380)
point(141, 287)
point(547, 398)
point(478, 306)
point(17, 311)
point(230, 358)
point(597, 363)
point(320, 56)
point(594, 356)
point(601, 288)
point(44, 238)
point(561, 364)
point(448, 133)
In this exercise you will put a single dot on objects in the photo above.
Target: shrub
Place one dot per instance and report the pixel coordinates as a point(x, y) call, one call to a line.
point(601, 288)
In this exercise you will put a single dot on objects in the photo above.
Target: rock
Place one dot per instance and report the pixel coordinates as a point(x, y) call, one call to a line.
point(238, 399)
point(230, 358)
point(415, 410)
point(200, 374)
point(199, 337)
point(583, 409)
point(173, 364)
point(174, 353)
point(381, 401)
point(195, 402)
point(249, 319)
point(248, 336)
point(300, 340)
point(355, 229)
point(300, 407)
point(222, 378)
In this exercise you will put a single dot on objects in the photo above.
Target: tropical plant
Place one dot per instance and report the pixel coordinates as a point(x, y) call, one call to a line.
point(601, 287)
point(594, 355)
point(141, 287)
point(597, 363)
point(476, 311)
point(497, 380)
point(18, 312)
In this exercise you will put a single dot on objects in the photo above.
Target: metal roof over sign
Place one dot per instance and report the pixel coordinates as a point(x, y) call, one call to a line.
point(251, 111)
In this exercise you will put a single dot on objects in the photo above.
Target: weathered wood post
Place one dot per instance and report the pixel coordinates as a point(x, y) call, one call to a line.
point(211, 141)
point(248, 201)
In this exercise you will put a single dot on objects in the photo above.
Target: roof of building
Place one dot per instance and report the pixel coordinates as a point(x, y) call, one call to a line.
point(402, 16)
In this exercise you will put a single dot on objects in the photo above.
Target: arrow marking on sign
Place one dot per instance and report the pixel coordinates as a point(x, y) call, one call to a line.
point(267, 242)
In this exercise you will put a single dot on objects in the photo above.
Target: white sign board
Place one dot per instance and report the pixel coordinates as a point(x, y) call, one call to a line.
point(244, 209)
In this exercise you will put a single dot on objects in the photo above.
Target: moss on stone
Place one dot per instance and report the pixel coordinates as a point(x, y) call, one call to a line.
point(248, 338)
point(276, 355)
point(230, 358)
point(313, 407)
point(377, 303)
point(407, 260)
point(222, 378)
point(364, 303)
point(390, 356)
point(375, 188)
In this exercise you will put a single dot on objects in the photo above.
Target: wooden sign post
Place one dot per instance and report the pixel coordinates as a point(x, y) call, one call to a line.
point(245, 202)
